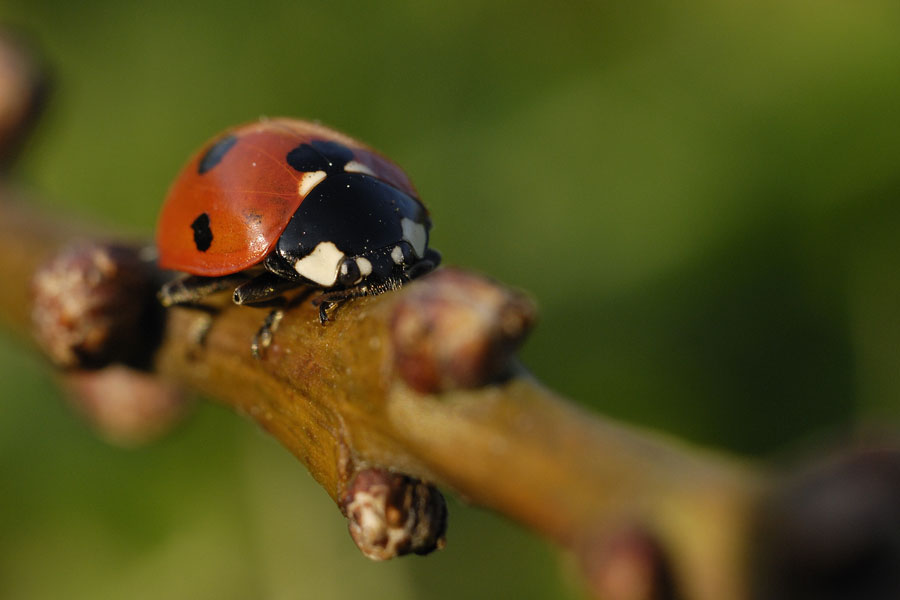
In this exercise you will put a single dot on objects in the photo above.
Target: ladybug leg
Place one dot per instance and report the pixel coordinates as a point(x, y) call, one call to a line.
point(428, 263)
point(190, 289)
point(331, 301)
point(200, 327)
point(263, 338)
point(264, 287)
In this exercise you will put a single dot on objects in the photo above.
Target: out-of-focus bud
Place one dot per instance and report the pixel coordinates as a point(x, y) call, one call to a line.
point(454, 330)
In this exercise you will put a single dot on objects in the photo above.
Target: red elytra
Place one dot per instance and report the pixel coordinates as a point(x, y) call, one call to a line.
point(250, 194)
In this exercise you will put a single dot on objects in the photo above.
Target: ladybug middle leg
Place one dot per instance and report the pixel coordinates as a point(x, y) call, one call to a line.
point(266, 289)
point(190, 289)
point(262, 339)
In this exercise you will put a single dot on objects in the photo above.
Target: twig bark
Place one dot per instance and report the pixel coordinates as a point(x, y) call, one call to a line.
point(337, 398)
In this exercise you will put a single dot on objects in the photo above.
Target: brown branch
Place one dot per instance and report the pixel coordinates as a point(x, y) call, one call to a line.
point(348, 395)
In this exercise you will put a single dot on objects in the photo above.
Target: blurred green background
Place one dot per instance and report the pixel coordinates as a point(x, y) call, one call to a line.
point(702, 197)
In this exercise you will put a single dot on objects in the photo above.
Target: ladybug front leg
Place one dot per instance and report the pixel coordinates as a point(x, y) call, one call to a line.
point(427, 264)
point(331, 301)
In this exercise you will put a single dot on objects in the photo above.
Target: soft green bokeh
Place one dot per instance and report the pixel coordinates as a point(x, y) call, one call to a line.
point(702, 196)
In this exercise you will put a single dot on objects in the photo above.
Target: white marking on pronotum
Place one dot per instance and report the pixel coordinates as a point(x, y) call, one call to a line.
point(415, 234)
point(397, 255)
point(357, 167)
point(310, 180)
point(321, 265)
point(365, 267)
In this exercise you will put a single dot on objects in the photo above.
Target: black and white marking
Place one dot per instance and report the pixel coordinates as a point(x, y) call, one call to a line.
point(353, 218)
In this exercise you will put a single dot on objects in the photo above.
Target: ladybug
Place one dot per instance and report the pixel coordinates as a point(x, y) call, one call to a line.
point(281, 203)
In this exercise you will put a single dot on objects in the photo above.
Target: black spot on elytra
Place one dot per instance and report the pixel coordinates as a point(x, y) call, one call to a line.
point(337, 153)
point(319, 155)
point(202, 233)
point(216, 153)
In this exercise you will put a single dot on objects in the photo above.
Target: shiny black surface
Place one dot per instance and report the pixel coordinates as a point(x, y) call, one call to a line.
point(319, 156)
point(358, 214)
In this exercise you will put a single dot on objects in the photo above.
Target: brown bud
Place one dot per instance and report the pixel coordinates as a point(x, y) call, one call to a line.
point(832, 530)
point(454, 330)
point(392, 515)
point(23, 87)
point(94, 304)
point(627, 565)
point(127, 407)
